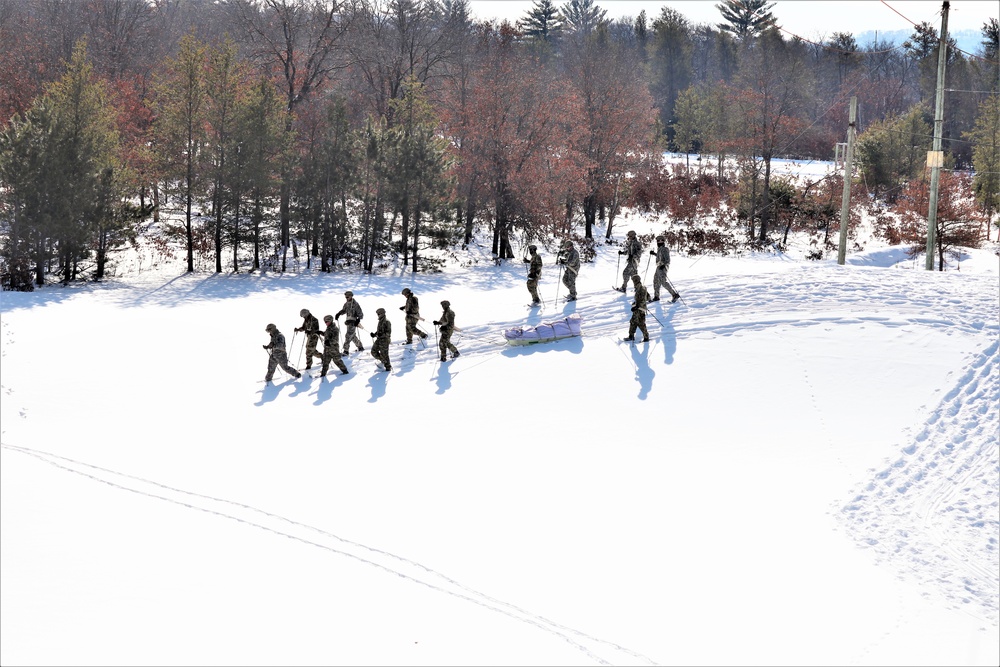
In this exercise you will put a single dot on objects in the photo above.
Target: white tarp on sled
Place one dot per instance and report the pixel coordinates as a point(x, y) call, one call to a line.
point(544, 332)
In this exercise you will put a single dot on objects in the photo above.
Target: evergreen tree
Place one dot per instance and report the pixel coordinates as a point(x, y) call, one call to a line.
point(582, 17)
point(27, 179)
point(991, 40)
point(262, 146)
point(670, 63)
point(416, 161)
point(226, 83)
point(985, 137)
point(337, 170)
point(892, 152)
point(62, 175)
point(746, 18)
point(542, 22)
point(180, 126)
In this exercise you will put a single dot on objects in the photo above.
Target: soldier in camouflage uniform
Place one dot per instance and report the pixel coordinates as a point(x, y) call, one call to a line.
point(638, 320)
point(633, 248)
point(310, 325)
point(277, 356)
point(331, 347)
point(662, 254)
point(534, 274)
point(382, 335)
point(353, 312)
point(411, 309)
point(570, 258)
point(447, 324)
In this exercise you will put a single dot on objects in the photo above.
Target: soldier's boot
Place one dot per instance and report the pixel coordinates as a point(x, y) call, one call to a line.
point(676, 296)
point(455, 354)
point(444, 358)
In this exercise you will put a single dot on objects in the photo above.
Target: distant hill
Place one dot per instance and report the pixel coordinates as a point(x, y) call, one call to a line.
point(969, 41)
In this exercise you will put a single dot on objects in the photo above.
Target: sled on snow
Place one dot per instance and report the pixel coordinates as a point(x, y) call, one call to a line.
point(545, 332)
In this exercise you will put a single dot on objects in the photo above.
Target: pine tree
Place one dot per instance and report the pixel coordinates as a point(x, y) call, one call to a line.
point(543, 22)
point(226, 84)
point(892, 152)
point(582, 17)
point(63, 177)
point(181, 103)
point(746, 18)
point(986, 156)
point(262, 146)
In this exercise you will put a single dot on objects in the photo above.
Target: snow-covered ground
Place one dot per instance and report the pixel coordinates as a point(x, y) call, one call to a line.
point(800, 467)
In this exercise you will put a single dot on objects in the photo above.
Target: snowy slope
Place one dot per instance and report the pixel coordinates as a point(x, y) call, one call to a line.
point(799, 468)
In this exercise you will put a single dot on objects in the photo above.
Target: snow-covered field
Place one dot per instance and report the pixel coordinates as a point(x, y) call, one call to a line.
point(800, 467)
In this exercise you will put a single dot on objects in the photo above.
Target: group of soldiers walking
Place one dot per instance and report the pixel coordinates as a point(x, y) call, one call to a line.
point(332, 353)
point(568, 259)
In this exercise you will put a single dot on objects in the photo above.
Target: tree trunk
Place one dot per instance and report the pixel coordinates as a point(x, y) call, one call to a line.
point(766, 212)
point(589, 214)
point(218, 233)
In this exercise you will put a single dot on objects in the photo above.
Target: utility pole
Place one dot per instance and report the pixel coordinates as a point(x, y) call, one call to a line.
point(935, 158)
point(845, 203)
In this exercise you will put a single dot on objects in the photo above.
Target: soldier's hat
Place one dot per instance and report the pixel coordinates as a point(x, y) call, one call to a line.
point(406, 291)
point(270, 327)
point(328, 318)
point(636, 278)
point(348, 293)
point(661, 239)
point(304, 313)
point(446, 303)
point(532, 248)
point(380, 311)
point(630, 233)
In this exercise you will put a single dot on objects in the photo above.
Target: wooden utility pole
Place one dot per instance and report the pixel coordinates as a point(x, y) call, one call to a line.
point(845, 203)
point(935, 158)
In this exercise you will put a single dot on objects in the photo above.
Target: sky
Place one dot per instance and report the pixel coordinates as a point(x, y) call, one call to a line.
point(806, 18)
point(799, 468)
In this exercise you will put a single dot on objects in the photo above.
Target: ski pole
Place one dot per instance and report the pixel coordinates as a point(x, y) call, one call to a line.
point(291, 346)
point(558, 283)
point(646, 272)
point(617, 268)
point(278, 366)
point(676, 292)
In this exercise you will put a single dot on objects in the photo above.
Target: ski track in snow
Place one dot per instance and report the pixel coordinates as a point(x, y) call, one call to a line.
point(922, 511)
point(600, 651)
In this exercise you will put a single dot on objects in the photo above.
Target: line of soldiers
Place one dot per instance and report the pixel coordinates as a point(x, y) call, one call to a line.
point(381, 337)
point(570, 259)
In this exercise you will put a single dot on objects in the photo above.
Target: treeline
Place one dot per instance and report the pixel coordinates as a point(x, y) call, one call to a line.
point(358, 130)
